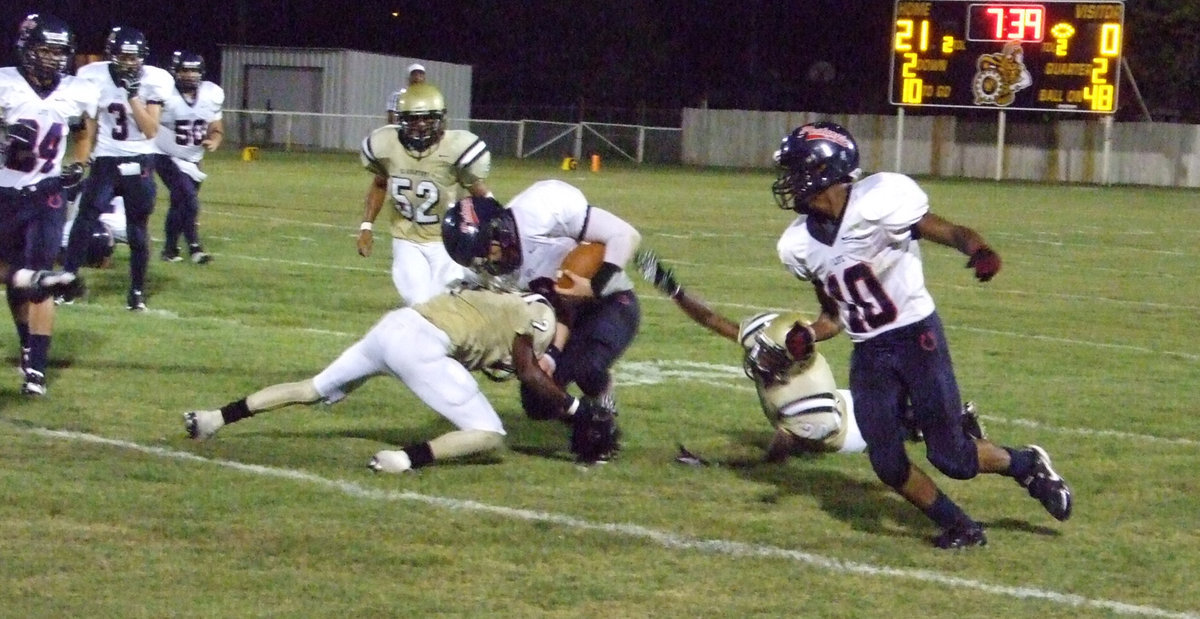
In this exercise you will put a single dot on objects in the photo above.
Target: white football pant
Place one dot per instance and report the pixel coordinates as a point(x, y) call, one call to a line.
point(421, 271)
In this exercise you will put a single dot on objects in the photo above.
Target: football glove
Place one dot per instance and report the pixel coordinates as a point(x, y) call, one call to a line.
point(131, 84)
point(985, 262)
point(801, 342)
point(594, 433)
point(657, 273)
point(71, 179)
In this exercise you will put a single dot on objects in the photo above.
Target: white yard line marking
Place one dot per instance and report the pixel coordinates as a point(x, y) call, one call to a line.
point(662, 538)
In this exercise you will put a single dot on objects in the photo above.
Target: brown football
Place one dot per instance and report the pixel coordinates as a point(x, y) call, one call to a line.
point(583, 261)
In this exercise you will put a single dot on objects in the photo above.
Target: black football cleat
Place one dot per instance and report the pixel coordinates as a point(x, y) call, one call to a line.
point(1047, 486)
point(961, 535)
point(970, 421)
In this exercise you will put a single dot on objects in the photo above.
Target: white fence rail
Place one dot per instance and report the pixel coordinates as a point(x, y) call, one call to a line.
point(511, 138)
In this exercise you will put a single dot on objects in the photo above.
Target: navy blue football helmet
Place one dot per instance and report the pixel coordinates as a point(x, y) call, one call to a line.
point(99, 245)
point(45, 45)
point(479, 233)
point(811, 159)
point(188, 70)
point(127, 50)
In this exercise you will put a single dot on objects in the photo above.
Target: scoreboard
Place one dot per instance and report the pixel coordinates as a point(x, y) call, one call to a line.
point(1051, 55)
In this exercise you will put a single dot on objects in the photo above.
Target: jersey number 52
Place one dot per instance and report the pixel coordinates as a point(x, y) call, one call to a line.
point(425, 192)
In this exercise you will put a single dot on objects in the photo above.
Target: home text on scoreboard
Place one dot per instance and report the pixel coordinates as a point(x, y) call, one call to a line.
point(1015, 55)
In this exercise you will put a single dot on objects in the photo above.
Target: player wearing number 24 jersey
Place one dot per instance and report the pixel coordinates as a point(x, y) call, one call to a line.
point(422, 169)
point(39, 104)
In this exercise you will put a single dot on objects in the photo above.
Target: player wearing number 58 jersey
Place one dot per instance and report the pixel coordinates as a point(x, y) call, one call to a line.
point(422, 169)
point(190, 126)
point(38, 105)
point(131, 100)
point(857, 241)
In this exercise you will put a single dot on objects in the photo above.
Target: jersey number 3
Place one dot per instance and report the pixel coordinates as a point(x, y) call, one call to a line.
point(425, 191)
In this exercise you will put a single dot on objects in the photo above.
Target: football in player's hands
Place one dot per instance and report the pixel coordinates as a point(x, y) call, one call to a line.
point(585, 261)
point(985, 262)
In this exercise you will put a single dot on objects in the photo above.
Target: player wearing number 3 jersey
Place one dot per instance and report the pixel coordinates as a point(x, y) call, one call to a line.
point(422, 169)
point(857, 242)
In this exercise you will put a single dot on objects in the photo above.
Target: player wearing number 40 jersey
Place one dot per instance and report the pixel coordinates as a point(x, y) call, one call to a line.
point(190, 126)
point(423, 169)
point(857, 241)
point(131, 100)
point(38, 104)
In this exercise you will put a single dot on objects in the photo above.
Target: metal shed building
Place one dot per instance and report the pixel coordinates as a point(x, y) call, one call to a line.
point(323, 98)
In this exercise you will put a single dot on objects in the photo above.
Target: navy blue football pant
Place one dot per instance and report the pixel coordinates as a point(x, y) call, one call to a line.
point(31, 223)
point(110, 177)
point(185, 203)
point(599, 336)
point(910, 365)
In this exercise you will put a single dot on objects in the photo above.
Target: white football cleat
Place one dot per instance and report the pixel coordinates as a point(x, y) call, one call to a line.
point(390, 462)
point(201, 425)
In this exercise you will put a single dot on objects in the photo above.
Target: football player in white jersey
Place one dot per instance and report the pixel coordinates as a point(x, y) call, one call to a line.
point(799, 397)
point(432, 348)
point(39, 104)
point(191, 125)
point(421, 168)
point(131, 100)
point(522, 247)
point(857, 242)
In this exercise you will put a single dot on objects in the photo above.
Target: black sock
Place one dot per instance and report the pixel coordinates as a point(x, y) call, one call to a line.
point(946, 513)
point(1022, 463)
point(235, 411)
point(419, 454)
point(16, 299)
point(39, 352)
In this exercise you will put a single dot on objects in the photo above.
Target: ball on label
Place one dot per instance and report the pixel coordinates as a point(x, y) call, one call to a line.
point(584, 261)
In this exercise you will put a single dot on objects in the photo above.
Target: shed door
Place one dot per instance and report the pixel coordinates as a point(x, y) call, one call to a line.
point(290, 89)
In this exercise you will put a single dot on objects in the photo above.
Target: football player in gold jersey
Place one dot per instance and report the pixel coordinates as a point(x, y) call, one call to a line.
point(422, 169)
point(432, 348)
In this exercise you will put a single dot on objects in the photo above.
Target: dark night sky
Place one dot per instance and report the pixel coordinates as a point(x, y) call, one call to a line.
point(664, 53)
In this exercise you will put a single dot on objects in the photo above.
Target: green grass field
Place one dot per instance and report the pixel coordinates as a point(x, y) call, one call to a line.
point(1085, 344)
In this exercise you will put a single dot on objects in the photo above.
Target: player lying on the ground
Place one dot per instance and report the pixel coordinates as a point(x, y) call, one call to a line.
point(432, 348)
point(799, 397)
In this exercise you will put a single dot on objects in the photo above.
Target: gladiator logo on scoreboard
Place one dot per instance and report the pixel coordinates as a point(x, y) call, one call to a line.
point(1000, 76)
point(1053, 55)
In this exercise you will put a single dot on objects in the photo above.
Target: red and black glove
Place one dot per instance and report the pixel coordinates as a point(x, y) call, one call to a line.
point(985, 262)
point(800, 342)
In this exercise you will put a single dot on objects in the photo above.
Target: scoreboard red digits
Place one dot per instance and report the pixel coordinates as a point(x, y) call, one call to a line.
point(1054, 55)
point(1006, 22)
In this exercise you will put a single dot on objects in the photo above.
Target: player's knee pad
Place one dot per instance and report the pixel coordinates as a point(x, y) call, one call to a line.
point(956, 464)
point(537, 406)
point(890, 463)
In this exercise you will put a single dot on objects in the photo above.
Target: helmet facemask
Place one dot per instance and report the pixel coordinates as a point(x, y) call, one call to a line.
point(420, 131)
point(504, 245)
point(45, 63)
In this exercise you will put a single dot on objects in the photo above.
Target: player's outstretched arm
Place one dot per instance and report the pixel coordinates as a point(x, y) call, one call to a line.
point(662, 276)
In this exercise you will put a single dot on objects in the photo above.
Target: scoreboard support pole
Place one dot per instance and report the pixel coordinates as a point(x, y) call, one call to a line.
point(1000, 128)
point(898, 168)
point(1106, 153)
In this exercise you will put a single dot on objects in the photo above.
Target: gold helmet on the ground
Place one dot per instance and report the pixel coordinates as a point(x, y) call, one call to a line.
point(421, 115)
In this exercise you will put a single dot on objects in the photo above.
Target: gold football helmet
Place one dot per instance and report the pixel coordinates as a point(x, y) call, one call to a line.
point(421, 112)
